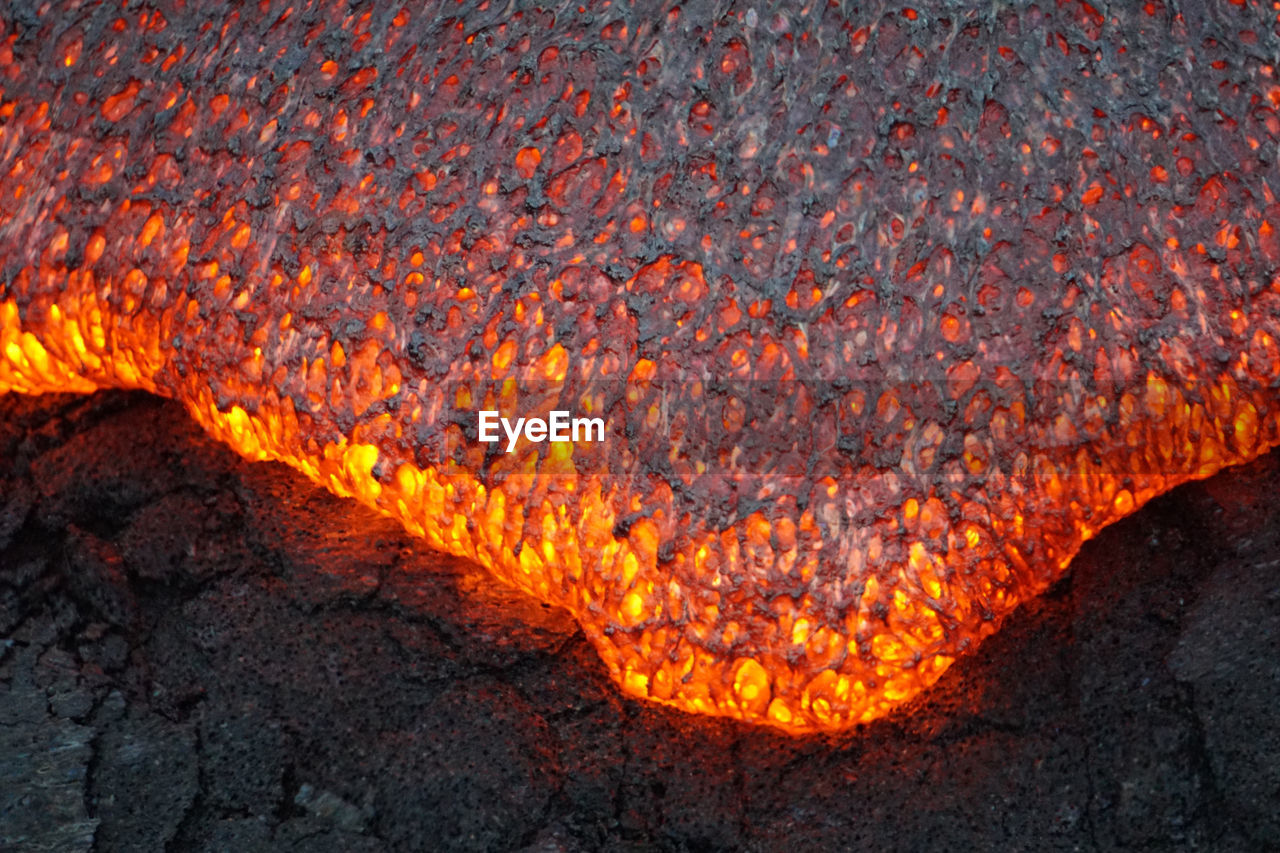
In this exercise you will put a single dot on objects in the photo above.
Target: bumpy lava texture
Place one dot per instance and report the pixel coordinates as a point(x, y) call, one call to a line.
point(887, 312)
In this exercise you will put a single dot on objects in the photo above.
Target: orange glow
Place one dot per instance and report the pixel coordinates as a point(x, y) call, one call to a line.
point(865, 392)
point(606, 578)
point(527, 161)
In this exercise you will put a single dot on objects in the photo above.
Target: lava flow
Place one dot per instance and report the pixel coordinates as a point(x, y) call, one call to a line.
point(884, 314)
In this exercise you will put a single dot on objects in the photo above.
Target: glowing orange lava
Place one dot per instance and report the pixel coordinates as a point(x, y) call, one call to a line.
point(876, 354)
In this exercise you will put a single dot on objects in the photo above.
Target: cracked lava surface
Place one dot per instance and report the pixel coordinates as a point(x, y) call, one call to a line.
point(886, 316)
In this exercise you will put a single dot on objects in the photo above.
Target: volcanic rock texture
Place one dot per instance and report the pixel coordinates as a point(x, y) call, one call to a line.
point(887, 312)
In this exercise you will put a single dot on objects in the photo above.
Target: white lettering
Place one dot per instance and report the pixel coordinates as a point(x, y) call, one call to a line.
point(560, 427)
point(590, 426)
point(512, 434)
point(488, 423)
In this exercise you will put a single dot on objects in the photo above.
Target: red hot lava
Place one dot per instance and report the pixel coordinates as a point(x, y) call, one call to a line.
point(884, 314)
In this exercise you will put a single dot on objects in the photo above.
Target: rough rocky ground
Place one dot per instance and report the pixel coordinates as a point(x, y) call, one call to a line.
point(199, 653)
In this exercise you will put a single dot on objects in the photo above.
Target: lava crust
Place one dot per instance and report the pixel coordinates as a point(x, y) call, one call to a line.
point(886, 313)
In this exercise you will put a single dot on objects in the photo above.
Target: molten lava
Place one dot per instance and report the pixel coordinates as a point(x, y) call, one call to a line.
point(885, 315)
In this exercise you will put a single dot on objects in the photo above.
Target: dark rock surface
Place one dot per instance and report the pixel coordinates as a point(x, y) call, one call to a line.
point(199, 653)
